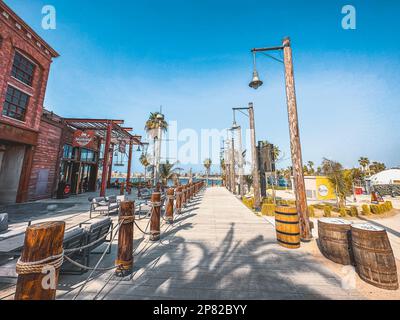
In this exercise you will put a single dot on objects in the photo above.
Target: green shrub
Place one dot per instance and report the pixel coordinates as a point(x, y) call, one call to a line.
point(389, 204)
point(366, 211)
point(311, 211)
point(327, 211)
point(343, 212)
point(375, 209)
point(354, 211)
point(268, 209)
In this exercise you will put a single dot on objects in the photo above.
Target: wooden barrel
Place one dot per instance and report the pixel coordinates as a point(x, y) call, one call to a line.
point(373, 254)
point(287, 227)
point(334, 240)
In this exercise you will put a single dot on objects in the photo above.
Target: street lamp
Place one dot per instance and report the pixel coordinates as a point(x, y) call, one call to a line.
point(301, 198)
point(256, 82)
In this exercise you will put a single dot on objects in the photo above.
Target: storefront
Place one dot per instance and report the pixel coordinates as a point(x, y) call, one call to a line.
point(79, 163)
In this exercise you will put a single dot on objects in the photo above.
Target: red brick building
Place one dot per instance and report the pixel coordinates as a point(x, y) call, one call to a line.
point(25, 61)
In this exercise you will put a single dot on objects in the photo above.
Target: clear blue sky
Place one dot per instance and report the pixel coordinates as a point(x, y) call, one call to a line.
point(123, 59)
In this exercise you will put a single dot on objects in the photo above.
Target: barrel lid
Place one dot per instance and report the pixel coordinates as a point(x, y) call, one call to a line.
point(367, 226)
point(334, 221)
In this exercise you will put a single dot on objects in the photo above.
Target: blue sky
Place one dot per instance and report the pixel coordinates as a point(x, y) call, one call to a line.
point(123, 59)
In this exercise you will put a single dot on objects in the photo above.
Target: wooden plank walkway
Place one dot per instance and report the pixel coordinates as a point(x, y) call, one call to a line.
point(218, 249)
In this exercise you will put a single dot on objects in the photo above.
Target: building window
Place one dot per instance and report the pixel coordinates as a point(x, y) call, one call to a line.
point(23, 69)
point(15, 104)
point(88, 155)
point(67, 152)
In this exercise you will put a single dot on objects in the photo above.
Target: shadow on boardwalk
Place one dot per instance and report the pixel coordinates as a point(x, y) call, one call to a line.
point(179, 268)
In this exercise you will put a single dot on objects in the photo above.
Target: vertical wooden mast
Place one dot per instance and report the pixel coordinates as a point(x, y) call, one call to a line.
point(106, 158)
point(300, 191)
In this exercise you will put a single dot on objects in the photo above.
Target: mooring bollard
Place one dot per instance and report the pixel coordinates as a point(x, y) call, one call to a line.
point(122, 189)
point(169, 210)
point(39, 266)
point(183, 200)
point(155, 216)
point(124, 260)
point(178, 202)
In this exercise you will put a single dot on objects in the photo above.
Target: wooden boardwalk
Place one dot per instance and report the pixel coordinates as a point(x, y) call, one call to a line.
point(218, 249)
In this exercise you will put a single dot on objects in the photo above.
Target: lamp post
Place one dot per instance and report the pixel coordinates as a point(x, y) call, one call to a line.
point(236, 127)
point(300, 192)
point(254, 154)
point(157, 146)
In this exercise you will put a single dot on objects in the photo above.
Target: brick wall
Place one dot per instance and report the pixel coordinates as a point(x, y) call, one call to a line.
point(45, 161)
point(16, 35)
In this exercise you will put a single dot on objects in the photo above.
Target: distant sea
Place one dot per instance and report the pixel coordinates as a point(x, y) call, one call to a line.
point(170, 182)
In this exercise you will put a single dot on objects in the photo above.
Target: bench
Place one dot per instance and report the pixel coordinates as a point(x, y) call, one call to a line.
point(105, 205)
point(74, 238)
point(3, 222)
point(96, 229)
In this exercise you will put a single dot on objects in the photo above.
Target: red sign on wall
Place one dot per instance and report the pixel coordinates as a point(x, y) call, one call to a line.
point(84, 139)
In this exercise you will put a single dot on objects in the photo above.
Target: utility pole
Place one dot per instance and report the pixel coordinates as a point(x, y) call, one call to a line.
point(241, 164)
point(297, 162)
point(233, 171)
point(301, 198)
point(256, 176)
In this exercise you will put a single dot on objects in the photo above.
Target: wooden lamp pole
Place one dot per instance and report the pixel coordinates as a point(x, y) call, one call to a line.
point(300, 191)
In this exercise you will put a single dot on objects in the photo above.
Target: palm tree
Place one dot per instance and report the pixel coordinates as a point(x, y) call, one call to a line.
point(156, 120)
point(310, 165)
point(145, 161)
point(207, 164)
point(168, 171)
point(249, 181)
point(377, 167)
point(339, 179)
point(364, 163)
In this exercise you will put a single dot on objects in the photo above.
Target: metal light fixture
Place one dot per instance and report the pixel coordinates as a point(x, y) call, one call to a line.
point(139, 149)
point(256, 82)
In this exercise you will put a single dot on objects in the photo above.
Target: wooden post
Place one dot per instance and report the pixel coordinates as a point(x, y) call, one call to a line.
point(42, 241)
point(128, 175)
point(155, 216)
point(110, 166)
point(125, 239)
point(122, 189)
point(169, 210)
point(178, 200)
point(182, 197)
point(256, 174)
point(233, 171)
point(300, 190)
point(105, 160)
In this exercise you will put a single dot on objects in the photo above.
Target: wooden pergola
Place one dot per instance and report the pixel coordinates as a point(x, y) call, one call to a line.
point(108, 130)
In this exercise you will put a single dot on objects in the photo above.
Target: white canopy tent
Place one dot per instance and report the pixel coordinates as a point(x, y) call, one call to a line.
point(391, 176)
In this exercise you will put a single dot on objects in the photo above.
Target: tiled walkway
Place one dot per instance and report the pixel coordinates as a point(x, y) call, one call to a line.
point(218, 249)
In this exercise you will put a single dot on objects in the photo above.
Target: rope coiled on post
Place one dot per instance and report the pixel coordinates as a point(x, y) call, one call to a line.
point(33, 267)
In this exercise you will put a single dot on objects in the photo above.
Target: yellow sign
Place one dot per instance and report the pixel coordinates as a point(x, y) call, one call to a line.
point(325, 189)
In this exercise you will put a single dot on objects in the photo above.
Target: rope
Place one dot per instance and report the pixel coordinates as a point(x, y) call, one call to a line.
point(126, 219)
point(96, 266)
point(91, 244)
point(140, 229)
point(33, 267)
point(170, 197)
point(88, 268)
point(156, 204)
